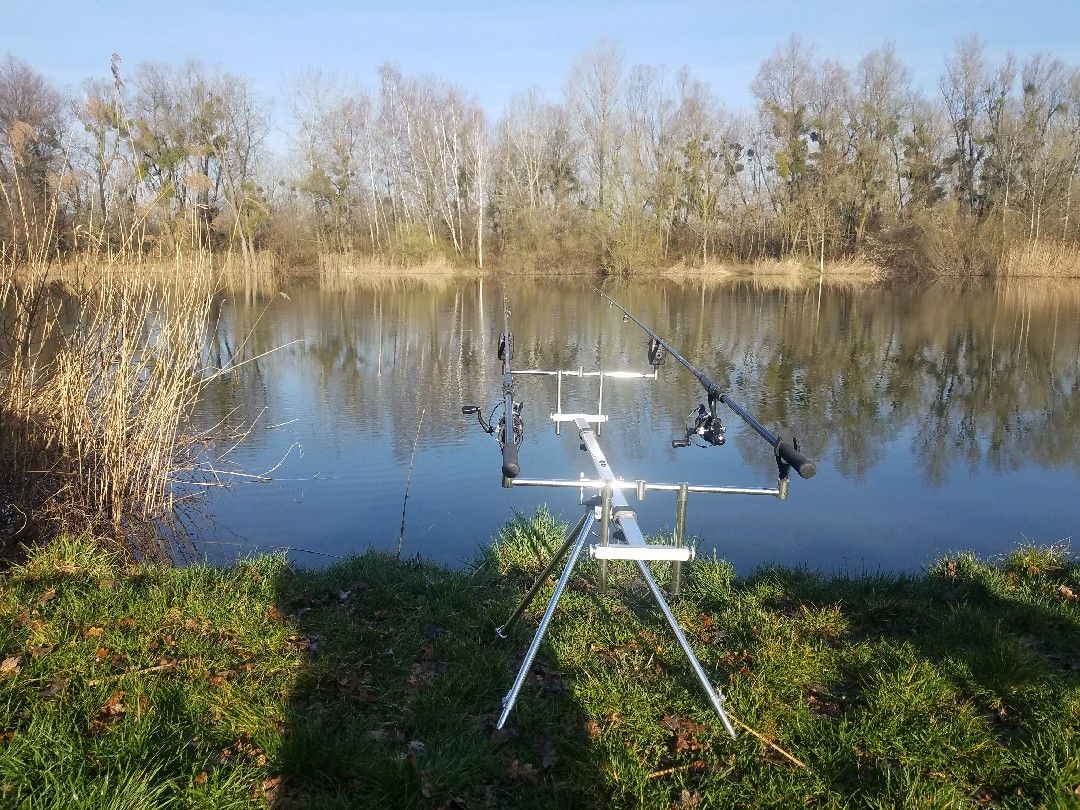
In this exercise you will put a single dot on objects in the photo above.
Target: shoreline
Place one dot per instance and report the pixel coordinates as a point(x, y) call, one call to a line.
point(343, 269)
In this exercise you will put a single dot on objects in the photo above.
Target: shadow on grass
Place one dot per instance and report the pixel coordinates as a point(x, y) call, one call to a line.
point(400, 687)
point(960, 687)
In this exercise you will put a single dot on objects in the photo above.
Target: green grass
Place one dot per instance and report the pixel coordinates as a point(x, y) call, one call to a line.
point(376, 683)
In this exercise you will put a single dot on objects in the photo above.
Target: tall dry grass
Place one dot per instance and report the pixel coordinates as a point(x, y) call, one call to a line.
point(779, 273)
point(99, 385)
point(1041, 260)
point(338, 268)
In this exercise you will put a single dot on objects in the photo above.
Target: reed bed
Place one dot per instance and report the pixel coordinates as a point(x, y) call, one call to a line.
point(337, 269)
point(1042, 260)
point(100, 382)
point(780, 273)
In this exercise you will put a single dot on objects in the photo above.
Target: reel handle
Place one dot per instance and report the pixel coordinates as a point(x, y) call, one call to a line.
point(469, 410)
point(799, 462)
point(510, 465)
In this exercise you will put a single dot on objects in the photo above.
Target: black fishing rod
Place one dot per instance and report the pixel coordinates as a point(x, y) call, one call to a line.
point(705, 425)
point(510, 429)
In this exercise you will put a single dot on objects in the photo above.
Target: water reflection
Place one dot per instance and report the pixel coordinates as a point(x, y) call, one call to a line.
point(941, 417)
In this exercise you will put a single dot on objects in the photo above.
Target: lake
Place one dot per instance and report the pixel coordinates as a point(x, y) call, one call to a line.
point(941, 418)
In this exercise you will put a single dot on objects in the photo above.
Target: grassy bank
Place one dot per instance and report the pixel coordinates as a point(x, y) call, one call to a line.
point(376, 683)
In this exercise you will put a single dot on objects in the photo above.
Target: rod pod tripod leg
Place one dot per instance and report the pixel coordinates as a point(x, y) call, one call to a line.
point(575, 541)
point(716, 697)
point(586, 524)
point(571, 536)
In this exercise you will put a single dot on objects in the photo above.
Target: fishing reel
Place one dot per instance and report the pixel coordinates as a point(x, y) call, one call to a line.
point(509, 430)
point(498, 429)
point(656, 353)
point(703, 428)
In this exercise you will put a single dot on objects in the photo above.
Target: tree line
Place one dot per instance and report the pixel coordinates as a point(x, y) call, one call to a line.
point(631, 167)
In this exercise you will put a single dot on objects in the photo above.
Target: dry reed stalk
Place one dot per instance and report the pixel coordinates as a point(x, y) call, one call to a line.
point(96, 409)
point(344, 270)
point(779, 274)
point(1042, 260)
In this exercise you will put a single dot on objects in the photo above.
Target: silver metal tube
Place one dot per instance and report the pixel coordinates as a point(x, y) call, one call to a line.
point(600, 402)
point(587, 520)
point(605, 532)
point(558, 401)
point(716, 490)
point(530, 656)
point(680, 533)
point(716, 697)
point(596, 483)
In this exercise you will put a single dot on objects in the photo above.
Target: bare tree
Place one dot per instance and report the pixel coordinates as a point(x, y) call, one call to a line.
point(961, 88)
point(31, 158)
point(593, 94)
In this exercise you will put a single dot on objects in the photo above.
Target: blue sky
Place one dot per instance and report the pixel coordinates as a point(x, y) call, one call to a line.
point(495, 49)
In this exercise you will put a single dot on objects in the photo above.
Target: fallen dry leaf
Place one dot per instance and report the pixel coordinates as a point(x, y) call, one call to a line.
point(11, 665)
point(201, 778)
point(546, 750)
point(1067, 592)
point(53, 689)
point(110, 711)
point(522, 773)
point(94, 632)
point(270, 788)
point(45, 597)
point(39, 650)
point(114, 705)
point(219, 676)
point(688, 800)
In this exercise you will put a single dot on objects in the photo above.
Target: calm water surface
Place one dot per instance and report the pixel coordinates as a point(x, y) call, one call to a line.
point(941, 419)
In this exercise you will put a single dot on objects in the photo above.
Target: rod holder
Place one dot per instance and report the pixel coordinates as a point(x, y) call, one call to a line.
point(680, 534)
point(605, 532)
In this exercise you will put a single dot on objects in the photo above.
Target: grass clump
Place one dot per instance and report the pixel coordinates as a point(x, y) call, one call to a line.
point(377, 682)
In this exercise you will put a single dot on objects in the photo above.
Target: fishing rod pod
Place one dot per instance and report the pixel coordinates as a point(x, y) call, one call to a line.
point(788, 454)
point(621, 536)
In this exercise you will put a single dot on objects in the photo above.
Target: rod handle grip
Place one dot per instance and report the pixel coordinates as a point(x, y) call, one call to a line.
point(510, 466)
point(800, 463)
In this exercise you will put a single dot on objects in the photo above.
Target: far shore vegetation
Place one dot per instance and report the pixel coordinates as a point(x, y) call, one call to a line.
point(376, 683)
point(631, 169)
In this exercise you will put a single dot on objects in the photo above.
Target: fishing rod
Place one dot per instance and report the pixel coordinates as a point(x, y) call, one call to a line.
point(704, 425)
point(510, 429)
